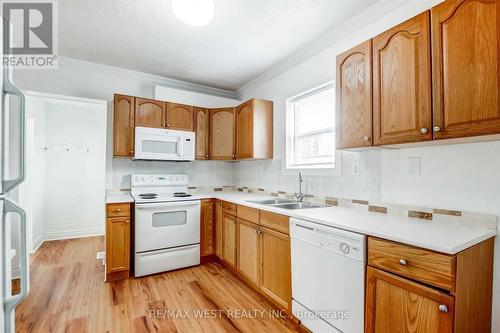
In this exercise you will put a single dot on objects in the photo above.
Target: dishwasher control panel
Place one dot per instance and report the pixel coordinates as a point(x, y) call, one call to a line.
point(343, 242)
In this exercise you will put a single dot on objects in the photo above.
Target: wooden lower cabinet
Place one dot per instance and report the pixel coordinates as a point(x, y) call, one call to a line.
point(248, 251)
point(117, 243)
point(275, 260)
point(229, 225)
point(218, 228)
point(396, 304)
point(207, 228)
point(410, 289)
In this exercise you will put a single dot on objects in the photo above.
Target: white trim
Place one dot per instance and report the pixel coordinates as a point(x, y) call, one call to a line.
point(16, 273)
point(33, 247)
point(64, 98)
point(57, 235)
point(323, 169)
point(145, 77)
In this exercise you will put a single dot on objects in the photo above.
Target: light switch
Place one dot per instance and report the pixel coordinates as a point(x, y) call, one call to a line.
point(414, 166)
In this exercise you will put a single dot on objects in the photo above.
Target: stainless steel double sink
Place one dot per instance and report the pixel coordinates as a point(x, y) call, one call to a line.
point(284, 203)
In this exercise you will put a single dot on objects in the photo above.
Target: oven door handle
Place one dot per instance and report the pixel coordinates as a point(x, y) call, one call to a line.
point(167, 204)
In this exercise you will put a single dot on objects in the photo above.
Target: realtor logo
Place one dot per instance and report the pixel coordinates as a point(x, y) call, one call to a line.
point(30, 31)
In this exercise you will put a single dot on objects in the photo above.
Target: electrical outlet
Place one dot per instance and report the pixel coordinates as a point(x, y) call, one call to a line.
point(355, 169)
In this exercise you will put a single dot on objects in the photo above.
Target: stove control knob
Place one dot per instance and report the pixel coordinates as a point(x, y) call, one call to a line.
point(344, 248)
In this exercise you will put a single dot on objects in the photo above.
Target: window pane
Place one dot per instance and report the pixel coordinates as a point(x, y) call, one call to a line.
point(315, 146)
point(315, 112)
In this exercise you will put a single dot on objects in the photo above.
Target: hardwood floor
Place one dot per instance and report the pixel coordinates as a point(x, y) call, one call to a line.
point(68, 294)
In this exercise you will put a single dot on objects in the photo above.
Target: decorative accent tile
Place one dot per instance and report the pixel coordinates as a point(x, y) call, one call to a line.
point(191, 187)
point(218, 189)
point(420, 215)
point(245, 187)
point(360, 202)
point(240, 189)
point(260, 190)
point(329, 201)
point(274, 194)
point(377, 209)
point(447, 212)
point(281, 192)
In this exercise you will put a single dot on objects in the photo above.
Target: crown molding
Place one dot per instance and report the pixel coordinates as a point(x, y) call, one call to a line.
point(145, 77)
point(369, 15)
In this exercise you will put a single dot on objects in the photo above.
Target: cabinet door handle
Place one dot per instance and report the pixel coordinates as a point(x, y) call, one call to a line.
point(436, 128)
point(443, 308)
point(424, 130)
point(127, 221)
point(402, 262)
point(366, 138)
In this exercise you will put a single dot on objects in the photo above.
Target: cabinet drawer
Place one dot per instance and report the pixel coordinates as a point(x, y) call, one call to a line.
point(118, 210)
point(426, 266)
point(229, 208)
point(275, 221)
point(248, 214)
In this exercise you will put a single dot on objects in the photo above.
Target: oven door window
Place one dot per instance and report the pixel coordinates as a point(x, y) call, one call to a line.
point(159, 147)
point(169, 219)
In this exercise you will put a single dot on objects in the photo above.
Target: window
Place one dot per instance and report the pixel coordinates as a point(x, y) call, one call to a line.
point(311, 129)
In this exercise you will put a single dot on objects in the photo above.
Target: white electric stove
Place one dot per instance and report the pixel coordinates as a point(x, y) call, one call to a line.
point(167, 223)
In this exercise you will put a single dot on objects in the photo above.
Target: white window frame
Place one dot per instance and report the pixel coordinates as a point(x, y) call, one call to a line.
point(321, 169)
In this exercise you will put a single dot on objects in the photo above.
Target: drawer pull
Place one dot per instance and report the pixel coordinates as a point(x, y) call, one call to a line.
point(443, 308)
point(402, 262)
point(118, 210)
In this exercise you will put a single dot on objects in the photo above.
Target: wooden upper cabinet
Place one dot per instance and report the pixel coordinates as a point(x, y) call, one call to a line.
point(402, 104)
point(354, 97)
point(395, 304)
point(179, 117)
point(149, 113)
point(466, 68)
point(207, 228)
point(222, 134)
point(254, 130)
point(202, 131)
point(123, 125)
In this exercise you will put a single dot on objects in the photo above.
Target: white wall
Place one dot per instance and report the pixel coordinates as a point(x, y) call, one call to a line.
point(463, 177)
point(83, 79)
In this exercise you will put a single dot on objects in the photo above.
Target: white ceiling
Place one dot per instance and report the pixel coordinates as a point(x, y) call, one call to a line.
point(245, 39)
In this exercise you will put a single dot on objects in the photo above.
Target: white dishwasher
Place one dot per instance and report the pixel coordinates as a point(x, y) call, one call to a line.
point(328, 277)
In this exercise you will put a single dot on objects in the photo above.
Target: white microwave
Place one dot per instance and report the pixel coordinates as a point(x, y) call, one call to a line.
point(163, 145)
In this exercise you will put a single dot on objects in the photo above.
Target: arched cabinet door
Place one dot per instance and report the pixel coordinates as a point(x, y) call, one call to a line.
point(179, 117)
point(202, 131)
point(354, 97)
point(402, 105)
point(149, 113)
point(466, 68)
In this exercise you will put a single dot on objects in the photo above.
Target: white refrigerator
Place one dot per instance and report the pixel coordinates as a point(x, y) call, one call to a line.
point(12, 173)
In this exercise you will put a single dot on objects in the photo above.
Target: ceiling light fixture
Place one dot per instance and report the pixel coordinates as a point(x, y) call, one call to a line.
point(196, 13)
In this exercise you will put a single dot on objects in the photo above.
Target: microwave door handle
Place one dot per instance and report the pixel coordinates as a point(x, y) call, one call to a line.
point(180, 145)
point(11, 89)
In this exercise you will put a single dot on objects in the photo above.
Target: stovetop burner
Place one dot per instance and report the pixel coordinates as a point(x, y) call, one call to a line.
point(148, 196)
point(181, 194)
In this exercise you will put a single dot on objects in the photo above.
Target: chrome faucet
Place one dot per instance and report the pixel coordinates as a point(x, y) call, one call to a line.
point(300, 196)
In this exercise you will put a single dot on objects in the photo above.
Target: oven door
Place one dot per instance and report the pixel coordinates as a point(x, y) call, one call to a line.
point(158, 144)
point(167, 224)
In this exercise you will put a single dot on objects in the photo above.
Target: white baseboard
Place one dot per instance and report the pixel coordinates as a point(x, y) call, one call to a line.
point(32, 248)
point(57, 235)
